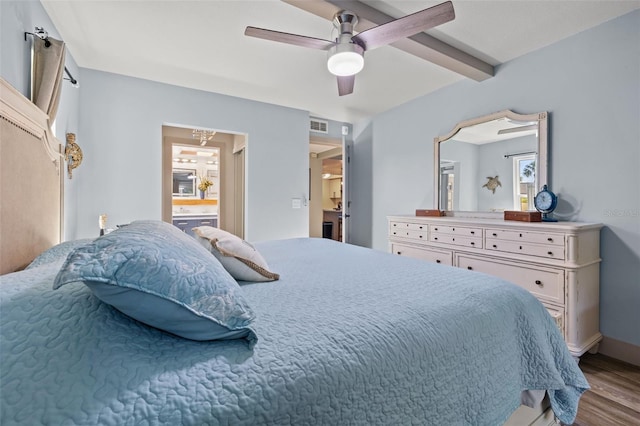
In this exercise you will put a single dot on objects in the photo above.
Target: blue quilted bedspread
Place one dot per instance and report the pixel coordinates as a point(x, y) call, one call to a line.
point(347, 336)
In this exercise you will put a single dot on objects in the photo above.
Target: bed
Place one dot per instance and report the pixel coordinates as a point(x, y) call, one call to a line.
point(346, 335)
point(329, 333)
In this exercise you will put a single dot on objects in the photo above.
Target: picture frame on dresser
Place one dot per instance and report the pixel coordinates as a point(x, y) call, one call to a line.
point(558, 262)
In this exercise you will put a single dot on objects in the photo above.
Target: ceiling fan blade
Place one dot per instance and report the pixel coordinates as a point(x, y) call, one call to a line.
point(297, 40)
point(345, 84)
point(405, 27)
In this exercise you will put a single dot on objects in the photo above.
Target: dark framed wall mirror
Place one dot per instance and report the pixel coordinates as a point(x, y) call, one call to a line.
point(184, 182)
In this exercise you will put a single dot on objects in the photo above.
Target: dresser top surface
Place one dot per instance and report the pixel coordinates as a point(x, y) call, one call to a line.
point(561, 226)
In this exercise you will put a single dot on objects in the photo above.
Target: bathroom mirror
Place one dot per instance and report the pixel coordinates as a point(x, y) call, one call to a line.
point(491, 164)
point(184, 182)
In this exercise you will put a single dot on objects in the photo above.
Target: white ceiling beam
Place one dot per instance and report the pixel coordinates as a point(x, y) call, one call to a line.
point(421, 45)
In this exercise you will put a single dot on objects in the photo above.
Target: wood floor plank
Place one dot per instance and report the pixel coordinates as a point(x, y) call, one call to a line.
point(614, 387)
point(594, 410)
point(614, 397)
point(612, 365)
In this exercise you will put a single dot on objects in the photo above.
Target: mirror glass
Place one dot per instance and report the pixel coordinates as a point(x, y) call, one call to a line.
point(184, 182)
point(492, 163)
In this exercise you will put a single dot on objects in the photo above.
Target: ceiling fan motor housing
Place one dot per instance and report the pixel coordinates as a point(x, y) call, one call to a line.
point(345, 57)
point(345, 22)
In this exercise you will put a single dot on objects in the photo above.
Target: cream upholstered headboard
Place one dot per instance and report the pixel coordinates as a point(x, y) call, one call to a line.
point(30, 181)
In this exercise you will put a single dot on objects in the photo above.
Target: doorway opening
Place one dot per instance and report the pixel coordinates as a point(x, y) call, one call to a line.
point(203, 178)
point(326, 192)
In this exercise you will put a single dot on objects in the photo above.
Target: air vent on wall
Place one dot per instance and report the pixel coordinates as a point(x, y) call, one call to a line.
point(320, 126)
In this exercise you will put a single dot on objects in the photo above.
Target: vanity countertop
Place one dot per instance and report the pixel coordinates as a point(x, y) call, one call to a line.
point(194, 215)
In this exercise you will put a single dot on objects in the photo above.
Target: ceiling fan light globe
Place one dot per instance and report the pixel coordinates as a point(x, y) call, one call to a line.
point(345, 60)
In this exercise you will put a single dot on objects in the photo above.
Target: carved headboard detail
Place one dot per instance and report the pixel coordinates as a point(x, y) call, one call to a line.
point(31, 185)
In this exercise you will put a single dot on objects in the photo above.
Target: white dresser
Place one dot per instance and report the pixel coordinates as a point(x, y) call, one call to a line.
point(558, 262)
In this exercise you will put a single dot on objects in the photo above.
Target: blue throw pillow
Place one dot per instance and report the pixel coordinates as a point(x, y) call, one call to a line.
point(153, 272)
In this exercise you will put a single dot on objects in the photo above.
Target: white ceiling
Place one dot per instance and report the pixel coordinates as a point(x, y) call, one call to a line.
point(201, 45)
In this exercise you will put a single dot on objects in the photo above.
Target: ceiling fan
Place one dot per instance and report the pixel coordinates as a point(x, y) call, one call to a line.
point(346, 52)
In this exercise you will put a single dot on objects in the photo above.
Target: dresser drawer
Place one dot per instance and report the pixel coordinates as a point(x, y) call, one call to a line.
point(545, 283)
point(558, 316)
point(457, 230)
point(410, 233)
point(456, 240)
point(438, 256)
point(526, 237)
point(404, 226)
point(540, 250)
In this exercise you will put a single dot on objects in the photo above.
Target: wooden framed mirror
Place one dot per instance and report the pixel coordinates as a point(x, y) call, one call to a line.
point(491, 164)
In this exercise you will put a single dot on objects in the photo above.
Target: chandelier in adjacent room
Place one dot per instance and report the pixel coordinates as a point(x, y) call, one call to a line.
point(203, 135)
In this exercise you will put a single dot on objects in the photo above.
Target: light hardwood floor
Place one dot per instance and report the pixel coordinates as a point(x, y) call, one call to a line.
point(614, 397)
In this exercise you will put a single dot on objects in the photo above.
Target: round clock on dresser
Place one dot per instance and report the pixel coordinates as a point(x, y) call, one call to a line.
point(545, 202)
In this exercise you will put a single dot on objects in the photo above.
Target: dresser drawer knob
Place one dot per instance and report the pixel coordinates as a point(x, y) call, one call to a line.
point(520, 235)
point(435, 229)
point(420, 236)
point(494, 234)
point(437, 260)
point(473, 232)
point(550, 239)
point(538, 282)
point(494, 246)
point(435, 238)
point(420, 226)
point(400, 253)
point(472, 243)
point(470, 268)
point(550, 253)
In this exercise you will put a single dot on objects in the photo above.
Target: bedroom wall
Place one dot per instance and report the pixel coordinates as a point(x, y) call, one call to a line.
point(590, 84)
point(16, 17)
point(121, 120)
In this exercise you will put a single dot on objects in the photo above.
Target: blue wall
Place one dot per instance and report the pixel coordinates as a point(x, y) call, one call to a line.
point(121, 123)
point(16, 17)
point(590, 84)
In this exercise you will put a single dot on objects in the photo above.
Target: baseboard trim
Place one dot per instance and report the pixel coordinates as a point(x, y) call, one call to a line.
point(618, 349)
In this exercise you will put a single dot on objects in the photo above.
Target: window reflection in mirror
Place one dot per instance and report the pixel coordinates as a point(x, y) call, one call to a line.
point(524, 171)
point(184, 182)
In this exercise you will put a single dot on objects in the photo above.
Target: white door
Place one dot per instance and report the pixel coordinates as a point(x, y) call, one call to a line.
point(346, 208)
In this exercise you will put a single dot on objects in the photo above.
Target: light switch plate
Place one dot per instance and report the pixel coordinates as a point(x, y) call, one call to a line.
point(296, 203)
